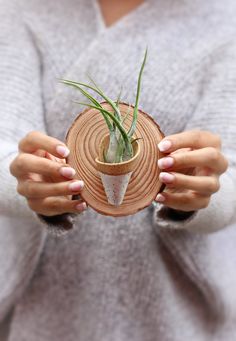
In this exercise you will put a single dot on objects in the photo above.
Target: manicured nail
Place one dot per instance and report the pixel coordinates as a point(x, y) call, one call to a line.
point(68, 172)
point(160, 198)
point(165, 162)
point(62, 150)
point(81, 207)
point(164, 145)
point(76, 186)
point(166, 177)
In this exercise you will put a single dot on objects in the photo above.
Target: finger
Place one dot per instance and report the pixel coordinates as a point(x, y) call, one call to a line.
point(29, 163)
point(206, 157)
point(201, 184)
point(36, 190)
point(56, 205)
point(189, 201)
point(54, 158)
point(36, 140)
point(193, 139)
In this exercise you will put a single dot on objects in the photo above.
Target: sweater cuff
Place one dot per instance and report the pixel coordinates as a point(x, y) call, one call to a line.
point(58, 224)
point(171, 214)
point(166, 217)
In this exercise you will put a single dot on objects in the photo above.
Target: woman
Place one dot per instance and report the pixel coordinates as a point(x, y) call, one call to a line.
point(167, 272)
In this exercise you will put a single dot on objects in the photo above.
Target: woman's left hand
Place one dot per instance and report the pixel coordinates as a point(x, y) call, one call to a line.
point(191, 170)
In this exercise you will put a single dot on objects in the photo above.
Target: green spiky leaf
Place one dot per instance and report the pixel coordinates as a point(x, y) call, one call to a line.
point(120, 145)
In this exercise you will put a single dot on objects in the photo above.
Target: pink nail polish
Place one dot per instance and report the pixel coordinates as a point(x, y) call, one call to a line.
point(62, 150)
point(165, 162)
point(67, 172)
point(164, 145)
point(81, 207)
point(76, 186)
point(160, 198)
point(166, 177)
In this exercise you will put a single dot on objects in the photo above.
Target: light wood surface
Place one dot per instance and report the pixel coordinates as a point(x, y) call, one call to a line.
point(83, 139)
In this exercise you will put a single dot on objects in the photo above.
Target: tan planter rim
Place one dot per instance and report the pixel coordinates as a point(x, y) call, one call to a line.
point(116, 168)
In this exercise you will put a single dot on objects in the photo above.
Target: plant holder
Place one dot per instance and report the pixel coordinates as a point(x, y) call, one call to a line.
point(116, 176)
point(115, 189)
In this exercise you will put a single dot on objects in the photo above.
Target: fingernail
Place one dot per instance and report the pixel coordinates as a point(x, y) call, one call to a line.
point(166, 177)
point(165, 162)
point(81, 207)
point(76, 186)
point(62, 150)
point(68, 172)
point(160, 198)
point(164, 145)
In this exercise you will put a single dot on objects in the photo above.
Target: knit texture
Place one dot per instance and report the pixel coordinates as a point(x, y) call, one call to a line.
point(144, 277)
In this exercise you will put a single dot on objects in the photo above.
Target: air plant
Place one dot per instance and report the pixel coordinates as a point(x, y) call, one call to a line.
point(121, 141)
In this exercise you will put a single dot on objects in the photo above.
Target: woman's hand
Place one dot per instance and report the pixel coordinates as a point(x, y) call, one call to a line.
point(44, 178)
point(191, 170)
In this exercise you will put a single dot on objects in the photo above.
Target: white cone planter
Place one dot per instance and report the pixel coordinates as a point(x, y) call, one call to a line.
point(115, 187)
point(116, 176)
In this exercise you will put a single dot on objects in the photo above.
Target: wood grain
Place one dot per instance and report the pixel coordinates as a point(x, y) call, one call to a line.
point(83, 139)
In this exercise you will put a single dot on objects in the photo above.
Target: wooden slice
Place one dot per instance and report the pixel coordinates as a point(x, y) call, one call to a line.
point(83, 139)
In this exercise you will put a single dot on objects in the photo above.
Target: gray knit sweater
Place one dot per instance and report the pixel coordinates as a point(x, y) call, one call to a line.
point(146, 277)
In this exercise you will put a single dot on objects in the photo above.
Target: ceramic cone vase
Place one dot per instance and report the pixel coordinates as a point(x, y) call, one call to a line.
point(116, 176)
point(115, 189)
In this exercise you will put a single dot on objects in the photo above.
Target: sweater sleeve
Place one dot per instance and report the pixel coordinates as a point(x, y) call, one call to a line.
point(21, 238)
point(20, 101)
point(216, 112)
point(22, 108)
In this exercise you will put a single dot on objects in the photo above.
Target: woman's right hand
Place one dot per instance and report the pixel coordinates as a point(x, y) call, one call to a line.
point(43, 176)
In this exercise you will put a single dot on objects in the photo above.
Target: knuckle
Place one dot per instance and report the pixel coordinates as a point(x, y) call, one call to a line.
point(204, 202)
point(21, 143)
point(33, 205)
point(29, 189)
point(183, 159)
point(30, 136)
point(185, 200)
point(55, 205)
point(20, 161)
point(198, 133)
point(20, 189)
point(176, 182)
point(27, 139)
point(39, 206)
point(187, 203)
point(213, 185)
point(52, 167)
point(197, 136)
point(214, 154)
